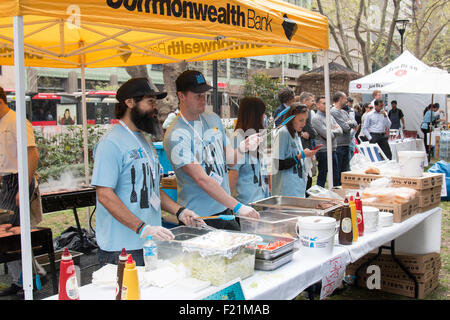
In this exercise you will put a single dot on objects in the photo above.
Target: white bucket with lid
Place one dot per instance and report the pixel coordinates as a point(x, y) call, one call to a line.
point(411, 163)
point(316, 235)
point(371, 216)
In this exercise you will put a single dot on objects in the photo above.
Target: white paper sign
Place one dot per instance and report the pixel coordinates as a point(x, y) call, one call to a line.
point(332, 275)
point(444, 186)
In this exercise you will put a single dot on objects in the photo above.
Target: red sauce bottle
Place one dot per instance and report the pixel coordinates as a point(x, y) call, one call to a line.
point(68, 284)
point(359, 215)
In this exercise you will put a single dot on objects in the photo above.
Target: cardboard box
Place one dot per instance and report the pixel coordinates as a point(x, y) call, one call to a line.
point(401, 212)
point(429, 197)
point(352, 180)
point(425, 269)
point(404, 288)
point(415, 263)
point(393, 271)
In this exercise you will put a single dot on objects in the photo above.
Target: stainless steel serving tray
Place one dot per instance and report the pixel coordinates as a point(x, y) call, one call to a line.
point(263, 254)
point(297, 206)
point(269, 265)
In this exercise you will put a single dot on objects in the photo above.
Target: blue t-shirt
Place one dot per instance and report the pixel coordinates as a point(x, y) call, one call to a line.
point(253, 180)
point(117, 158)
point(428, 118)
point(252, 184)
point(183, 146)
point(287, 182)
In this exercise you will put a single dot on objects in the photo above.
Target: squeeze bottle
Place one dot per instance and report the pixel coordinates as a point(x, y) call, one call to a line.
point(354, 221)
point(345, 225)
point(68, 285)
point(120, 267)
point(359, 215)
point(150, 254)
point(130, 285)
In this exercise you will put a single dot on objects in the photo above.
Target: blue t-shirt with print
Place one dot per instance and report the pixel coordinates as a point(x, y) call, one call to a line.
point(121, 164)
point(253, 180)
point(206, 146)
point(287, 182)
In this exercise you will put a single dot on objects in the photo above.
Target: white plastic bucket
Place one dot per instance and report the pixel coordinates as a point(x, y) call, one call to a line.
point(316, 235)
point(371, 216)
point(411, 163)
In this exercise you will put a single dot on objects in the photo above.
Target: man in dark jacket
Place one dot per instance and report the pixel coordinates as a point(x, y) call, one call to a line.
point(308, 133)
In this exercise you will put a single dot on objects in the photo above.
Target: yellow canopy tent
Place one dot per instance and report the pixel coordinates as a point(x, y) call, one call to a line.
point(105, 33)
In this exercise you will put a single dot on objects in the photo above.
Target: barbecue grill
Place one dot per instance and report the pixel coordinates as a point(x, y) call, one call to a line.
point(69, 199)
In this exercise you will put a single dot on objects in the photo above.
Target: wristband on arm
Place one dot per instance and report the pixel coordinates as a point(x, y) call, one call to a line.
point(236, 209)
point(179, 212)
point(139, 228)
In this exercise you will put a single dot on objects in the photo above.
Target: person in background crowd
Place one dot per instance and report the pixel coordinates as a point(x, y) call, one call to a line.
point(308, 134)
point(351, 112)
point(396, 115)
point(319, 124)
point(342, 141)
point(200, 154)
point(437, 117)
point(287, 98)
point(430, 116)
point(248, 178)
point(9, 184)
point(376, 95)
point(358, 116)
point(170, 117)
point(366, 109)
point(288, 158)
point(376, 125)
point(127, 177)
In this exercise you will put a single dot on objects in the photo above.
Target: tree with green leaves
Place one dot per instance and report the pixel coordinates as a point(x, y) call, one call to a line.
point(261, 85)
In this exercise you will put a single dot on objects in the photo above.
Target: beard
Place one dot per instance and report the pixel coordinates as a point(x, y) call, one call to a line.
point(146, 121)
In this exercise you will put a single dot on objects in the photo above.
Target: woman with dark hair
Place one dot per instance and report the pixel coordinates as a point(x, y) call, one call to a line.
point(289, 178)
point(249, 177)
point(67, 119)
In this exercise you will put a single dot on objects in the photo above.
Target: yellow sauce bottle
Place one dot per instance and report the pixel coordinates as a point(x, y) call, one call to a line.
point(130, 284)
point(354, 219)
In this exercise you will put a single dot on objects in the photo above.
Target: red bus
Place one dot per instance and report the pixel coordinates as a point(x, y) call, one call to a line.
point(59, 108)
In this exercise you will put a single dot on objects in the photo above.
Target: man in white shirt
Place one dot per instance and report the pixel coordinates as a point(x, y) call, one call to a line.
point(9, 186)
point(376, 128)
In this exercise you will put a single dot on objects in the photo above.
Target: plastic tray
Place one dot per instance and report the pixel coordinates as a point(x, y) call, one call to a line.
point(269, 265)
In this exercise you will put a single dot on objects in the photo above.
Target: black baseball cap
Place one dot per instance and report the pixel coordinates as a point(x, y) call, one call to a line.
point(137, 87)
point(191, 80)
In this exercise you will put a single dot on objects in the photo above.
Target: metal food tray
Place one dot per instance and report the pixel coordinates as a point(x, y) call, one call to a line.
point(269, 265)
point(183, 233)
point(297, 206)
point(263, 254)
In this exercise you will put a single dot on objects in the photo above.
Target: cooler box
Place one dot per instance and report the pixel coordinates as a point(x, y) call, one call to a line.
point(164, 161)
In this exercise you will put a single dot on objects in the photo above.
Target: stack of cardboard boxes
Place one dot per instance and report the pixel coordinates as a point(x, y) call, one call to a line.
point(428, 192)
point(424, 267)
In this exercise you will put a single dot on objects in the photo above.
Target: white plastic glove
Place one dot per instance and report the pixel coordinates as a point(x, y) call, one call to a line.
point(246, 211)
point(189, 218)
point(157, 232)
point(251, 143)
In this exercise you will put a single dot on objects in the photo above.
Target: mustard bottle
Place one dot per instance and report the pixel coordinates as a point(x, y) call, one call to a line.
point(130, 284)
point(354, 219)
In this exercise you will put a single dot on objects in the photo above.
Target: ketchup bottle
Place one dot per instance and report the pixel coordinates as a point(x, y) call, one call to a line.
point(359, 215)
point(68, 285)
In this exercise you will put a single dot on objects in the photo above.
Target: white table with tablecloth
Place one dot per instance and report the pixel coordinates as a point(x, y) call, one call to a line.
point(290, 279)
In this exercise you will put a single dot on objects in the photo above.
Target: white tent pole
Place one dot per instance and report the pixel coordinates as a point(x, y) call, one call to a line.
point(22, 157)
point(84, 115)
point(326, 74)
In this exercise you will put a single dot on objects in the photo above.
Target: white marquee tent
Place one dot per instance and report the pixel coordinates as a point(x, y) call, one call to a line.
point(403, 81)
